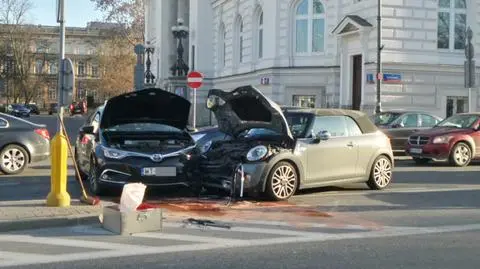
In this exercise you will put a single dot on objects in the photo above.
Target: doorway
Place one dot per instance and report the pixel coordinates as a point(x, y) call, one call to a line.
point(456, 104)
point(357, 82)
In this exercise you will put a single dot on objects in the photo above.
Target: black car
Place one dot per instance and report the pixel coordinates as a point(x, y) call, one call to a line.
point(21, 142)
point(399, 125)
point(139, 136)
point(33, 109)
point(53, 108)
point(18, 110)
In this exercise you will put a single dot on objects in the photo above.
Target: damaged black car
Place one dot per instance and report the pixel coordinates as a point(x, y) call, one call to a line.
point(138, 136)
point(270, 151)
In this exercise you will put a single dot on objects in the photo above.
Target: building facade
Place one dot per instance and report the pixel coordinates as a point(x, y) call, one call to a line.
point(323, 53)
point(81, 45)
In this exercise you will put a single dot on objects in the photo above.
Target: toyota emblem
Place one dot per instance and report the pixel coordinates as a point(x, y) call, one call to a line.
point(157, 157)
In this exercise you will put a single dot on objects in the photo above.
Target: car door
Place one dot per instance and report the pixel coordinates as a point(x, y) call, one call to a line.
point(86, 142)
point(334, 158)
point(401, 129)
point(364, 142)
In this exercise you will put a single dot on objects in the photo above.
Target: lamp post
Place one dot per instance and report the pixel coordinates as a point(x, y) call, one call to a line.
point(150, 78)
point(179, 31)
point(379, 77)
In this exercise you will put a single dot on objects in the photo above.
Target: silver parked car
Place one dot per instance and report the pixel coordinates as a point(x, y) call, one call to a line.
point(274, 151)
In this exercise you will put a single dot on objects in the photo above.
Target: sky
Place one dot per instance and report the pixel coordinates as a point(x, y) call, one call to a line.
point(77, 12)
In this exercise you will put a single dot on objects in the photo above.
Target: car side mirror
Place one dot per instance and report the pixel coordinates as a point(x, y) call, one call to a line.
point(87, 129)
point(322, 135)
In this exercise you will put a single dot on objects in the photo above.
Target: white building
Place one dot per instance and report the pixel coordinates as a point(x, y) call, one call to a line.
point(323, 52)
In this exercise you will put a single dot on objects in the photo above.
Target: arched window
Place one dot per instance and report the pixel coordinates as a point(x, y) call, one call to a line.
point(260, 36)
point(240, 39)
point(53, 68)
point(309, 27)
point(222, 34)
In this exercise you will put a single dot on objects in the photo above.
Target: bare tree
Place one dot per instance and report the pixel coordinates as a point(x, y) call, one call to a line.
point(126, 12)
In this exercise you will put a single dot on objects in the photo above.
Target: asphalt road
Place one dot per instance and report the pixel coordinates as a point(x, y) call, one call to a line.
point(72, 124)
point(428, 218)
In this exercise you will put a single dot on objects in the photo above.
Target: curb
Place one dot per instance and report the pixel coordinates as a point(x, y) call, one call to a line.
point(39, 223)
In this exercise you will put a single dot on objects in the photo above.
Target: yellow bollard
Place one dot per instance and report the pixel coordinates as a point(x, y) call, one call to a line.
point(58, 195)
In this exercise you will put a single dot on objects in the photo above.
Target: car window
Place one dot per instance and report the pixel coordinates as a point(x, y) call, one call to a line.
point(459, 121)
point(335, 125)
point(3, 123)
point(427, 120)
point(352, 127)
point(96, 120)
point(409, 121)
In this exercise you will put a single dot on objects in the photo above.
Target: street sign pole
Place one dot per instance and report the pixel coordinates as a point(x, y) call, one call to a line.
point(194, 81)
point(61, 20)
point(469, 67)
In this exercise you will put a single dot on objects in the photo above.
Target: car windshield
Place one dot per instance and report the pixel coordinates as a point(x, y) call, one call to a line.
point(298, 123)
point(385, 118)
point(459, 121)
point(17, 106)
point(143, 127)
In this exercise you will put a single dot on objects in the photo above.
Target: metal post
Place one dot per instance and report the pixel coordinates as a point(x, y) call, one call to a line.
point(61, 20)
point(378, 107)
point(194, 109)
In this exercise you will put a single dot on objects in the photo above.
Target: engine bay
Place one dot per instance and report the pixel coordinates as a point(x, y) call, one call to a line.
point(148, 143)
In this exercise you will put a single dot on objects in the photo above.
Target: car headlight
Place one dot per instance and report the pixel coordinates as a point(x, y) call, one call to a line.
point(444, 139)
point(16, 110)
point(113, 153)
point(206, 146)
point(257, 153)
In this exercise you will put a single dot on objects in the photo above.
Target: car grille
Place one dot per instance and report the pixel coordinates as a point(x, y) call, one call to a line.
point(418, 140)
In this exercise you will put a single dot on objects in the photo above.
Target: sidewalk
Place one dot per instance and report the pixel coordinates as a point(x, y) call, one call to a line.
point(34, 214)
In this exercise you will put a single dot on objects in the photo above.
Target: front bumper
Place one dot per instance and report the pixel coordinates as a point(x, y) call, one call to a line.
point(430, 151)
point(169, 172)
point(217, 174)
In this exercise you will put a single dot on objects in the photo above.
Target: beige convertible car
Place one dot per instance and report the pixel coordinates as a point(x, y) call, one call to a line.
point(272, 151)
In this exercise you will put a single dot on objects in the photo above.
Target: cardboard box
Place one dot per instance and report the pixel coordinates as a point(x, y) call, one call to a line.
point(126, 223)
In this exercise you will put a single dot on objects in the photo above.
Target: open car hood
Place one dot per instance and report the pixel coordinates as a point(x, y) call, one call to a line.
point(152, 105)
point(245, 108)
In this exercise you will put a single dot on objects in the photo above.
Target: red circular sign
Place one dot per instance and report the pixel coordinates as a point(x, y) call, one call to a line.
point(194, 79)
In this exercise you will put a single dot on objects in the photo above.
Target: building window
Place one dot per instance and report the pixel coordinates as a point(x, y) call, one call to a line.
point(81, 69)
point(309, 27)
point(52, 94)
point(53, 68)
point(240, 39)
point(260, 36)
point(39, 66)
point(451, 24)
point(307, 101)
point(222, 36)
point(94, 71)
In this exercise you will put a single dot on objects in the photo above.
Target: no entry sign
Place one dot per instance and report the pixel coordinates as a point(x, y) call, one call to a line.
point(194, 79)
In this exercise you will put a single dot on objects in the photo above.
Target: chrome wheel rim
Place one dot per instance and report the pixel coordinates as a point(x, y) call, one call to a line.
point(461, 154)
point(13, 160)
point(284, 182)
point(382, 172)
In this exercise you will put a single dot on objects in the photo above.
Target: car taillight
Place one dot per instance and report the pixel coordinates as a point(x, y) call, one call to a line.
point(43, 132)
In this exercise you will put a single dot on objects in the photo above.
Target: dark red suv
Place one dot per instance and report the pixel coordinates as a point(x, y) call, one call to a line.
point(456, 139)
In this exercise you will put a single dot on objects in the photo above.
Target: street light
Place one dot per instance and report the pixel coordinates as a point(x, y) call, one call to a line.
point(379, 77)
point(150, 78)
point(179, 31)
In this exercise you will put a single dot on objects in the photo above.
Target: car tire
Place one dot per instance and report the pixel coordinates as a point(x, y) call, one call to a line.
point(282, 182)
point(421, 161)
point(94, 185)
point(380, 174)
point(461, 155)
point(13, 159)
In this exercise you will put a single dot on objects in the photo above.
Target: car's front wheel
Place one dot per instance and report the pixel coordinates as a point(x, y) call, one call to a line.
point(14, 159)
point(381, 173)
point(95, 186)
point(461, 155)
point(282, 182)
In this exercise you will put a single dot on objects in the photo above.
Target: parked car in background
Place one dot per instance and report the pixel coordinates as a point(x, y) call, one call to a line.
point(455, 139)
point(278, 152)
point(399, 125)
point(53, 108)
point(33, 109)
point(21, 142)
point(76, 108)
point(18, 110)
point(138, 136)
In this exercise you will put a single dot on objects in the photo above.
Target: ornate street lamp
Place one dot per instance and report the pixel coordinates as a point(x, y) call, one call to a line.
point(179, 31)
point(150, 78)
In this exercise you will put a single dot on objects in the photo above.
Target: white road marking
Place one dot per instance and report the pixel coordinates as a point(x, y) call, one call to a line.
point(6, 184)
point(189, 238)
point(315, 237)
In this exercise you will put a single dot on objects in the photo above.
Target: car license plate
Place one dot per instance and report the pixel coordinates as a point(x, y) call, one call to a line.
point(159, 171)
point(415, 150)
